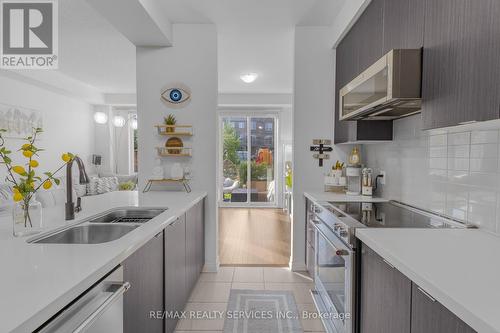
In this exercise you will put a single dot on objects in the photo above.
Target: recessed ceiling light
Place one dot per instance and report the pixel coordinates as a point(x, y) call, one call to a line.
point(248, 77)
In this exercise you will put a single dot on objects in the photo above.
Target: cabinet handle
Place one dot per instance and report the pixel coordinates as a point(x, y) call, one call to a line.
point(175, 222)
point(426, 294)
point(158, 234)
point(388, 263)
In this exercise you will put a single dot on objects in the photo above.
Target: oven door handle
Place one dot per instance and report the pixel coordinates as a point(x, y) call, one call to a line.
point(330, 242)
point(121, 289)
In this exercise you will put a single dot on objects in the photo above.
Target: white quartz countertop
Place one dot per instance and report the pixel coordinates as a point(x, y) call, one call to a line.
point(37, 280)
point(340, 197)
point(458, 267)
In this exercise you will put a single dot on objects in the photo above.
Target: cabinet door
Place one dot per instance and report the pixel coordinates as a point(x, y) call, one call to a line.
point(430, 316)
point(385, 296)
point(200, 236)
point(368, 35)
point(403, 24)
point(461, 75)
point(175, 270)
point(191, 249)
point(144, 271)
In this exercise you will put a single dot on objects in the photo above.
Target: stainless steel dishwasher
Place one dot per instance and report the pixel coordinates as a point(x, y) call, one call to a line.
point(98, 310)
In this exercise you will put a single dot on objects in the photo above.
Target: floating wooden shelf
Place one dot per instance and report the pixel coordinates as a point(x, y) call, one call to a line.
point(174, 151)
point(175, 130)
point(183, 181)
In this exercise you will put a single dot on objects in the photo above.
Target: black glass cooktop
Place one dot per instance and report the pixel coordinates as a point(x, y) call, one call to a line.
point(389, 215)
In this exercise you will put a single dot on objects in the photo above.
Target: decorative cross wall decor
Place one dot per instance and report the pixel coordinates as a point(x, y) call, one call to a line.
point(321, 146)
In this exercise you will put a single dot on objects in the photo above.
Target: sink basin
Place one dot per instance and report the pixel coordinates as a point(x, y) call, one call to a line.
point(103, 228)
point(89, 234)
point(127, 215)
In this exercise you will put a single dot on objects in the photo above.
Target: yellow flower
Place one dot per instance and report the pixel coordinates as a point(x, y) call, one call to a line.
point(17, 196)
point(33, 163)
point(15, 190)
point(66, 157)
point(18, 169)
point(47, 184)
point(26, 146)
point(28, 153)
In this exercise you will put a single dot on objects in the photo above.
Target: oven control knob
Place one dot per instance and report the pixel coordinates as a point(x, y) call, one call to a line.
point(341, 252)
point(343, 233)
point(336, 227)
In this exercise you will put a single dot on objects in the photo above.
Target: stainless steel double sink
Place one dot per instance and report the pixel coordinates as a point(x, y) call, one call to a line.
point(101, 228)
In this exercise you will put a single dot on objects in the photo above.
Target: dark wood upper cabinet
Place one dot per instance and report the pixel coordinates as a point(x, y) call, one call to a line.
point(369, 35)
point(461, 72)
point(359, 49)
point(403, 24)
point(430, 316)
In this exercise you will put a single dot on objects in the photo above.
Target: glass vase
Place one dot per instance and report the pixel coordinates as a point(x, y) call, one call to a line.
point(27, 218)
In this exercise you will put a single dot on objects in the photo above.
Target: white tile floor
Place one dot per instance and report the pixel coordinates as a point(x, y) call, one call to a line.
point(211, 293)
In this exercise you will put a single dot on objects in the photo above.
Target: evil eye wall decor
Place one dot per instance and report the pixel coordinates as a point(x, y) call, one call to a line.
point(176, 95)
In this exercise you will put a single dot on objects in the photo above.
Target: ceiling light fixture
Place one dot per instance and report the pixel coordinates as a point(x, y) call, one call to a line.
point(100, 118)
point(248, 77)
point(118, 121)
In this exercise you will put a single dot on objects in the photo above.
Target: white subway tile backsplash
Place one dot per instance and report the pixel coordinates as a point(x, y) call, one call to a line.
point(489, 150)
point(462, 138)
point(458, 164)
point(438, 140)
point(459, 151)
point(450, 172)
point(484, 137)
point(487, 165)
point(438, 163)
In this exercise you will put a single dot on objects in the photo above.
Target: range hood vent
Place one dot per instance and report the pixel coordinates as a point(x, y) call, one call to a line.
point(389, 89)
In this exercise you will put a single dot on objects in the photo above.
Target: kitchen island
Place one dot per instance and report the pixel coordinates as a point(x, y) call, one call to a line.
point(38, 280)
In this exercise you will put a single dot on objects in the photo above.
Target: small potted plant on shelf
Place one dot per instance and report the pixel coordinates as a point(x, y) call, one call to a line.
point(25, 183)
point(170, 121)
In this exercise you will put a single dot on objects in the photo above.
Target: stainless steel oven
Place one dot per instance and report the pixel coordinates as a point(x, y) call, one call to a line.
point(334, 280)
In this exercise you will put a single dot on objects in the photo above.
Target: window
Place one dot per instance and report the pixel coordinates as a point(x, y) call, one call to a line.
point(241, 125)
point(269, 126)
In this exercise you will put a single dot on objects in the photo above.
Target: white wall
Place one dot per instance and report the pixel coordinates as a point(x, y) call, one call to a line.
point(193, 61)
point(67, 123)
point(454, 171)
point(313, 119)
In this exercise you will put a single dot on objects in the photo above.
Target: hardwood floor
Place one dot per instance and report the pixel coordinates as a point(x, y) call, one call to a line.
point(254, 236)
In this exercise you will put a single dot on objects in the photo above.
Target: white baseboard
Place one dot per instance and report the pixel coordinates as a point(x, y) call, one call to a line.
point(211, 267)
point(297, 267)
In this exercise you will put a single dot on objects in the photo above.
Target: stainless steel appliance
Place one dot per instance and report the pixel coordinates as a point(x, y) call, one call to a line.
point(388, 89)
point(337, 258)
point(98, 310)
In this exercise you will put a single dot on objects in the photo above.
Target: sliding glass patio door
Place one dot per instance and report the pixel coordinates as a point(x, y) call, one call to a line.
point(248, 160)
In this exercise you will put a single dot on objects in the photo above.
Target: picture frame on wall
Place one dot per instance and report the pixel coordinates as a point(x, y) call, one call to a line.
point(19, 121)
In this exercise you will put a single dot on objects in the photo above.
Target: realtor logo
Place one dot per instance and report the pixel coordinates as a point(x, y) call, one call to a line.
point(29, 36)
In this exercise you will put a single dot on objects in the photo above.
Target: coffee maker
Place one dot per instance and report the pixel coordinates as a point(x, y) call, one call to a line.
point(353, 175)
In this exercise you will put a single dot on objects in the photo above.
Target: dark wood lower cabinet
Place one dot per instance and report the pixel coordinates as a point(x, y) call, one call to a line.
point(175, 270)
point(430, 316)
point(195, 248)
point(385, 296)
point(391, 303)
point(144, 270)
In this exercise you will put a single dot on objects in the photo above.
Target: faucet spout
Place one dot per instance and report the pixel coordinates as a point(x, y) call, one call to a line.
point(84, 179)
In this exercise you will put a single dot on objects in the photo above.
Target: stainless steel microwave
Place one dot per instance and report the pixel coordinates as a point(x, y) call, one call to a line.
point(388, 89)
